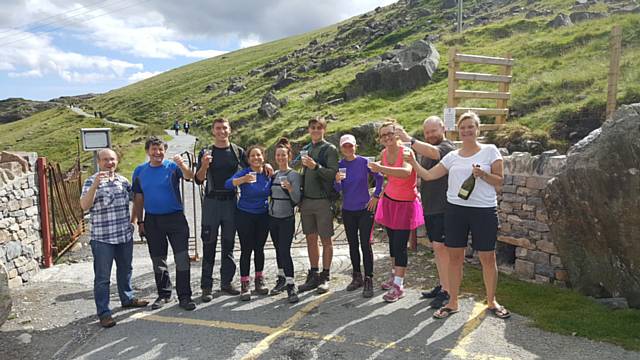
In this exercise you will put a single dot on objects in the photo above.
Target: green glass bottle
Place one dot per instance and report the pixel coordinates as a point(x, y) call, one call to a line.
point(467, 187)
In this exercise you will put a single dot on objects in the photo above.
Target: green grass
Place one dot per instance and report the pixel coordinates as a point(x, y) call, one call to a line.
point(55, 134)
point(562, 311)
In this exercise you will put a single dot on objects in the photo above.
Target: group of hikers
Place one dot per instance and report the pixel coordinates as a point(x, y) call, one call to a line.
point(246, 195)
point(185, 126)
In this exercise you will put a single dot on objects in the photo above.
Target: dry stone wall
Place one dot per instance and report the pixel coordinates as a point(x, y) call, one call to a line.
point(20, 240)
point(524, 230)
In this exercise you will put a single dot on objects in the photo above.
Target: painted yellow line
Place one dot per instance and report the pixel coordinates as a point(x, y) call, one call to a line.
point(478, 314)
point(208, 323)
point(285, 327)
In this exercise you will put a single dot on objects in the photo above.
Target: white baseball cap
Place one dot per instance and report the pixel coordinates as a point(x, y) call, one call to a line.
point(348, 139)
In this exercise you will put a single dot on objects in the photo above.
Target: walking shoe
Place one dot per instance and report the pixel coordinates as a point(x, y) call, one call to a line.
point(367, 290)
point(229, 289)
point(245, 293)
point(160, 302)
point(387, 284)
point(281, 285)
point(207, 295)
point(260, 287)
point(440, 300)
point(356, 282)
point(323, 282)
point(311, 282)
point(187, 304)
point(292, 293)
point(432, 293)
point(394, 294)
point(107, 321)
point(136, 303)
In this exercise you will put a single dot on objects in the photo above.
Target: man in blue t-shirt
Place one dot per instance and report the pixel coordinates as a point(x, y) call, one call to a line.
point(157, 194)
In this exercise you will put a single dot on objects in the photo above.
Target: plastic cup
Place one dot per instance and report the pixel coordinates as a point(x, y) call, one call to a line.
point(281, 180)
point(406, 147)
point(370, 159)
point(343, 172)
point(304, 153)
point(255, 176)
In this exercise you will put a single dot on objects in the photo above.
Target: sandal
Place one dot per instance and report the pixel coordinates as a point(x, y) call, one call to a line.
point(500, 312)
point(444, 313)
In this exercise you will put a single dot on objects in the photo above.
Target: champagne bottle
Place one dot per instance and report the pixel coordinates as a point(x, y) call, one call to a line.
point(467, 187)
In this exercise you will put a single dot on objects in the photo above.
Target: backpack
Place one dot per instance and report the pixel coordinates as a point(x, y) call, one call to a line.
point(235, 150)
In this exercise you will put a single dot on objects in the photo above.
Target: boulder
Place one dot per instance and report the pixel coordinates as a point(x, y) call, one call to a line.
point(405, 70)
point(5, 296)
point(270, 104)
point(366, 134)
point(579, 16)
point(330, 64)
point(594, 209)
point(448, 4)
point(559, 21)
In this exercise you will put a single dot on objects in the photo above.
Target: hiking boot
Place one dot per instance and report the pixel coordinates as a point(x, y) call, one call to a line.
point(432, 293)
point(207, 295)
point(187, 304)
point(292, 293)
point(394, 294)
point(136, 303)
point(311, 283)
point(260, 287)
point(160, 302)
point(229, 289)
point(367, 290)
point(440, 300)
point(245, 293)
point(387, 285)
point(281, 285)
point(356, 282)
point(323, 282)
point(107, 321)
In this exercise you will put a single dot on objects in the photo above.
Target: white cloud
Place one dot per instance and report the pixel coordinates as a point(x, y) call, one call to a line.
point(249, 41)
point(35, 56)
point(141, 75)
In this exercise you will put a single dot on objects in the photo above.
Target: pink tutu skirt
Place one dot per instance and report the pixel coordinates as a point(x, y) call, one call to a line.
point(399, 215)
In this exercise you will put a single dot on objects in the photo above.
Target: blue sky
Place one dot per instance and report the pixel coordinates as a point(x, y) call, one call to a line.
point(53, 48)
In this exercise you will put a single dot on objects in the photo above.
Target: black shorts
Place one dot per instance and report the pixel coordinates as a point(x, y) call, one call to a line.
point(482, 222)
point(435, 227)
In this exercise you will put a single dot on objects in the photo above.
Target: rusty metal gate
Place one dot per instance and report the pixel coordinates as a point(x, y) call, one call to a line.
point(192, 195)
point(62, 218)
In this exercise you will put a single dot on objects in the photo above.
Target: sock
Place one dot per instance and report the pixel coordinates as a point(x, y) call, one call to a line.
point(281, 272)
point(314, 269)
point(290, 280)
point(398, 281)
point(258, 274)
point(245, 278)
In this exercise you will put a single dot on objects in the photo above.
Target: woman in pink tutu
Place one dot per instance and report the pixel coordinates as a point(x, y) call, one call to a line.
point(399, 208)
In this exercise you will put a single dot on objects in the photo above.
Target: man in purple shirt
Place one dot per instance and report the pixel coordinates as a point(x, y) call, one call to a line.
point(352, 180)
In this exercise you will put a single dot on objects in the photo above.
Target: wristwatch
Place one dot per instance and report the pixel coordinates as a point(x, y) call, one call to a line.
point(413, 141)
point(140, 222)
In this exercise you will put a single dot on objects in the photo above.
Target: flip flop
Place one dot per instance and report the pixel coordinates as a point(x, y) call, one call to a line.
point(500, 312)
point(444, 313)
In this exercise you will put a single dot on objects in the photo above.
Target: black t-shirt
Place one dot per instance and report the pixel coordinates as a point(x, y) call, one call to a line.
point(225, 164)
point(434, 193)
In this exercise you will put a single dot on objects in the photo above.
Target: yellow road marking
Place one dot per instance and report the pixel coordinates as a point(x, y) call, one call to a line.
point(208, 323)
point(288, 324)
point(478, 314)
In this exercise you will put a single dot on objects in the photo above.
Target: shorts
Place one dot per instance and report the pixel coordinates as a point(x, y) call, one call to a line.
point(317, 217)
point(435, 227)
point(482, 222)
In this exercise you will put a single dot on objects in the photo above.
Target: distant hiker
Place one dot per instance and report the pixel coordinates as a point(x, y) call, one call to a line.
point(95, 114)
point(176, 127)
point(106, 196)
point(186, 127)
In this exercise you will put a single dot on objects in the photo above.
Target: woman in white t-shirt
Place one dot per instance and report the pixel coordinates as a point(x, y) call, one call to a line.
point(476, 214)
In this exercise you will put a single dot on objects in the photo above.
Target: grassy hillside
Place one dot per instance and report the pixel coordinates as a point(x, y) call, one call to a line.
point(558, 93)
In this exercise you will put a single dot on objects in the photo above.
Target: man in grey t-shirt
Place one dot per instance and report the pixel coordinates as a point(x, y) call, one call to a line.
point(434, 199)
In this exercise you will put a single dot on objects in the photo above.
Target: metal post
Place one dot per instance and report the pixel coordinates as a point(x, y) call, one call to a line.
point(459, 16)
point(95, 162)
point(45, 226)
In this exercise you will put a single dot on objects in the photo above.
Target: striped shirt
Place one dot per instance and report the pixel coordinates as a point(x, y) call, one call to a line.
point(110, 220)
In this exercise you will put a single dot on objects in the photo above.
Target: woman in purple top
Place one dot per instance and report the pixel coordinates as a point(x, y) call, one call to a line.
point(357, 211)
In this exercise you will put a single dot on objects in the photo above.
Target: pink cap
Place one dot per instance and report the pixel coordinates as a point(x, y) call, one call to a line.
point(347, 139)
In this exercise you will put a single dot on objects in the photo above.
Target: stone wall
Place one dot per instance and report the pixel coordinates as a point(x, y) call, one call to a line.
point(20, 240)
point(525, 247)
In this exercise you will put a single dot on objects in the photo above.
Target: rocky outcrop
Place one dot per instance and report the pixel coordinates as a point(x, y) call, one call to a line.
point(559, 21)
point(270, 104)
point(579, 16)
point(403, 70)
point(14, 109)
point(367, 135)
point(594, 209)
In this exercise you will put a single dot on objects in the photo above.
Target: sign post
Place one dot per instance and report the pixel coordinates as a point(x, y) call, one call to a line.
point(94, 139)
